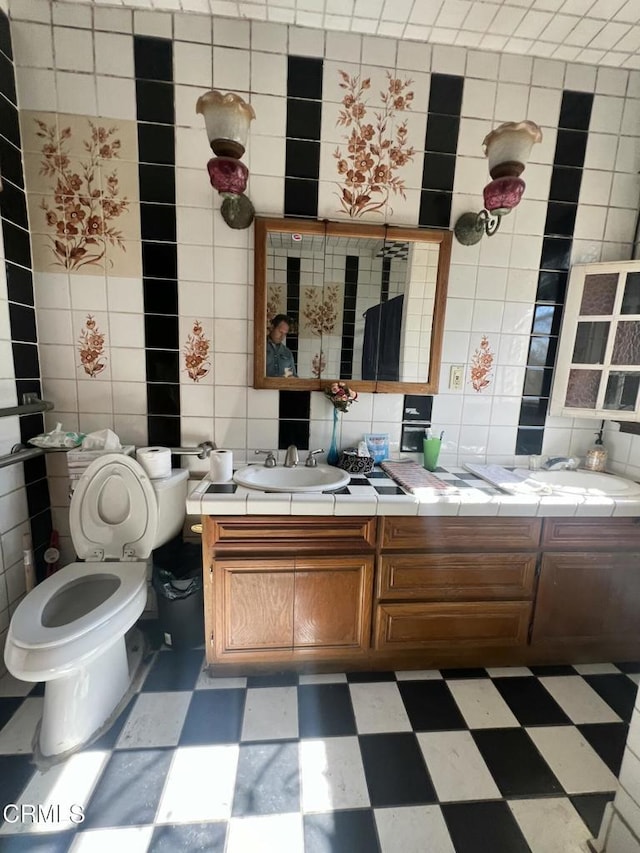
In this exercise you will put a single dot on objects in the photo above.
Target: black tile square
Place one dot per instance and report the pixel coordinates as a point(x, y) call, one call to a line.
point(552, 287)
point(19, 284)
point(188, 837)
point(160, 295)
point(38, 496)
point(16, 244)
point(267, 779)
point(116, 804)
point(303, 159)
point(547, 320)
point(7, 78)
point(156, 144)
point(153, 58)
point(389, 490)
point(300, 197)
point(487, 826)
point(438, 171)
point(163, 399)
point(591, 808)
point(163, 430)
point(162, 366)
point(608, 740)
point(629, 666)
point(561, 219)
point(411, 438)
point(553, 669)
point(395, 770)
point(273, 679)
point(161, 331)
point(304, 78)
point(154, 101)
point(15, 770)
point(159, 260)
point(174, 671)
point(25, 361)
point(11, 162)
point(618, 691)
point(542, 351)
point(30, 426)
point(8, 706)
point(571, 146)
point(529, 440)
point(13, 205)
point(41, 525)
point(359, 481)
point(417, 407)
point(575, 111)
point(44, 842)
point(343, 831)
point(325, 710)
point(157, 183)
point(530, 702)
point(533, 411)
point(294, 405)
point(222, 489)
point(23, 323)
point(442, 133)
point(565, 184)
point(435, 209)
point(158, 222)
point(515, 764)
point(293, 432)
point(358, 677)
point(5, 39)
point(464, 672)
point(537, 382)
point(556, 253)
point(431, 706)
point(9, 124)
point(303, 119)
point(214, 716)
point(445, 95)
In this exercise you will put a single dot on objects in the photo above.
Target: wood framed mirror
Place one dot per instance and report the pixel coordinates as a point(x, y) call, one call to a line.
point(363, 304)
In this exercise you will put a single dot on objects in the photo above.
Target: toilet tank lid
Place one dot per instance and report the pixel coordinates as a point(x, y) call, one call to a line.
point(176, 476)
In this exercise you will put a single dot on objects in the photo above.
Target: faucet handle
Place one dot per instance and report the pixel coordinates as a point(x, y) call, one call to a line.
point(311, 461)
point(272, 460)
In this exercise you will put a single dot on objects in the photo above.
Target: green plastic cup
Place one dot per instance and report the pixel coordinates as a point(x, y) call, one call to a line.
point(431, 448)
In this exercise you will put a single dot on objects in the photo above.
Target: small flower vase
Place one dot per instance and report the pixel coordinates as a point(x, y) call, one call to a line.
point(333, 455)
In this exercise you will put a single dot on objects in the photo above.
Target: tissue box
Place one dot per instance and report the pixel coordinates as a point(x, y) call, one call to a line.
point(353, 464)
point(79, 460)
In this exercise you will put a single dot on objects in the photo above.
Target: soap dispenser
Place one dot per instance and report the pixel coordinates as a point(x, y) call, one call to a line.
point(596, 457)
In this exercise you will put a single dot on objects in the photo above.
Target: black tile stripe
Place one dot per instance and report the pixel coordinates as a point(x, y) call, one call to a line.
point(18, 270)
point(351, 269)
point(441, 143)
point(566, 178)
point(293, 302)
point(304, 111)
point(155, 111)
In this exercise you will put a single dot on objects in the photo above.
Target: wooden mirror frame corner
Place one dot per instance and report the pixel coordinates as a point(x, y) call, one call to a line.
point(264, 225)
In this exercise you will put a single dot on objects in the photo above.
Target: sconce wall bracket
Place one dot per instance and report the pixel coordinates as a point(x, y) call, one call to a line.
point(470, 228)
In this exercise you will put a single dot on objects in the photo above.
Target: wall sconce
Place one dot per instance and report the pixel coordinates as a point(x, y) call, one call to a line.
point(227, 118)
point(507, 148)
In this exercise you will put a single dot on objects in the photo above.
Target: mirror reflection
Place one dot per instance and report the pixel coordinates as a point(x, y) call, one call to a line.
point(347, 306)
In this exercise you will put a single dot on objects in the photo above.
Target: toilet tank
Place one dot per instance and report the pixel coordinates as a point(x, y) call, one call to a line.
point(171, 495)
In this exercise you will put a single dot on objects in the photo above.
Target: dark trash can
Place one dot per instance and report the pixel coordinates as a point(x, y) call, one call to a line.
point(177, 580)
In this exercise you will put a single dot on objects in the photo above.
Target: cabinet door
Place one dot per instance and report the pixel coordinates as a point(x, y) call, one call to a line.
point(587, 598)
point(254, 605)
point(332, 604)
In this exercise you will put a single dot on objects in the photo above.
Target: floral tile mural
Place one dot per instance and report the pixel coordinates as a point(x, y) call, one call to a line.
point(91, 348)
point(82, 191)
point(196, 351)
point(482, 366)
point(376, 144)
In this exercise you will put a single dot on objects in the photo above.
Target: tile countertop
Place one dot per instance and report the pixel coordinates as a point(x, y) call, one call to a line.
point(378, 494)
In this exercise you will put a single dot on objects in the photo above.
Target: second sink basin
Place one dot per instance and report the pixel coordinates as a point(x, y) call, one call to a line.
point(322, 478)
point(586, 483)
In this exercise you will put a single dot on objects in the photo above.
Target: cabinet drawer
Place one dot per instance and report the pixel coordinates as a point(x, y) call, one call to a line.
point(456, 576)
point(440, 533)
point(467, 624)
point(600, 534)
point(291, 535)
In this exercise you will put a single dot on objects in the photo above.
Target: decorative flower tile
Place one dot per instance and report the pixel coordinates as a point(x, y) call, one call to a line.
point(482, 366)
point(197, 353)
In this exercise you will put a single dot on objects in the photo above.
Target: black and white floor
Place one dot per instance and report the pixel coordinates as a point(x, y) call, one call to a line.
point(500, 760)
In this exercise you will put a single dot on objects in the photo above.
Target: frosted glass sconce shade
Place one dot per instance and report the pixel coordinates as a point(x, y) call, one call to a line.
point(227, 118)
point(508, 147)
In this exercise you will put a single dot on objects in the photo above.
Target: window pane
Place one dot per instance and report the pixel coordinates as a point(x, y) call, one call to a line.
point(622, 391)
point(582, 389)
point(599, 293)
point(590, 344)
point(631, 298)
point(626, 348)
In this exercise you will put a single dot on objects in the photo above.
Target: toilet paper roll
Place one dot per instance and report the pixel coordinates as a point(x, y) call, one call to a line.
point(156, 461)
point(221, 470)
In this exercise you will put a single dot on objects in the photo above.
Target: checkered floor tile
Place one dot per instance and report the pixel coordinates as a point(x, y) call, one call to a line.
point(521, 759)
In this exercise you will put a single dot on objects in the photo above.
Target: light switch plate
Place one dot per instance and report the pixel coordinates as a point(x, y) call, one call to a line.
point(456, 375)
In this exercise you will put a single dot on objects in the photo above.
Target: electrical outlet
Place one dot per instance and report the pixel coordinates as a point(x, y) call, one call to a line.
point(455, 377)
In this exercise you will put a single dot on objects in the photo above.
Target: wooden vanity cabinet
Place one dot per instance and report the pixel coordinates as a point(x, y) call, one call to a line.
point(288, 590)
point(455, 583)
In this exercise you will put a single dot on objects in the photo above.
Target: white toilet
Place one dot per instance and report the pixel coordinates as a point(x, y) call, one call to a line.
point(69, 631)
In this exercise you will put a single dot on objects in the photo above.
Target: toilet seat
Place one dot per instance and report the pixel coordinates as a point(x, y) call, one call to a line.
point(114, 512)
point(27, 630)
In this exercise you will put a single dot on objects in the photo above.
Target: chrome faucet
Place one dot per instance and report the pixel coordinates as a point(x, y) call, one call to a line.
point(311, 461)
point(561, 463)
point(291, 457)
point(271, 459)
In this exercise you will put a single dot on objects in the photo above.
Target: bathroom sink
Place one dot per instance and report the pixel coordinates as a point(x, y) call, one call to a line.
point(322, 478)
point(586, 483)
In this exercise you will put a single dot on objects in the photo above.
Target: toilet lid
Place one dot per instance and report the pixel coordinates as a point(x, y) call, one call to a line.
point(113, 513)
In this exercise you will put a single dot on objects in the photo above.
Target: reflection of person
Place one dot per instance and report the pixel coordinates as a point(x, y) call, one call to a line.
point(280, 360)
